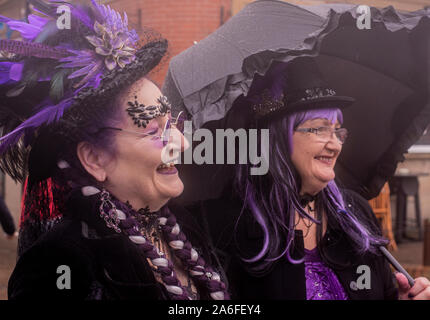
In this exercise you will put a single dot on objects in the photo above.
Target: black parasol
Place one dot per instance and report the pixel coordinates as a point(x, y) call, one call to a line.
point(385, 68)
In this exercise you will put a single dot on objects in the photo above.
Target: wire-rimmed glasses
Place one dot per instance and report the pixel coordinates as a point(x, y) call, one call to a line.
point(178, 124)
point(325, 133)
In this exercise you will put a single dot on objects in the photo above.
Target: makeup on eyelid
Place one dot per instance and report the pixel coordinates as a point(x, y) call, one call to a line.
point(142, 114)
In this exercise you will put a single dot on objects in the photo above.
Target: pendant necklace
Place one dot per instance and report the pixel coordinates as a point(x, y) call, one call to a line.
point(305, 201)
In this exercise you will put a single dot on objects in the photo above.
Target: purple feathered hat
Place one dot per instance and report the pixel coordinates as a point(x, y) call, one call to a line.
point(57, 71)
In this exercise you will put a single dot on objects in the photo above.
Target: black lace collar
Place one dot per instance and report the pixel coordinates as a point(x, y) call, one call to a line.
point(306, 198)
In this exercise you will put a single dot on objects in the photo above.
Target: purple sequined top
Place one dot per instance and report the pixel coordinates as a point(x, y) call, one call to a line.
point(321, 282)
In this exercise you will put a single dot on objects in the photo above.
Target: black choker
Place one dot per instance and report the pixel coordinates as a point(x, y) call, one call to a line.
point(306, 198)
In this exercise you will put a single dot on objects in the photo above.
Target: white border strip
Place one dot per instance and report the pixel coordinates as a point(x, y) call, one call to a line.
point(423, 148)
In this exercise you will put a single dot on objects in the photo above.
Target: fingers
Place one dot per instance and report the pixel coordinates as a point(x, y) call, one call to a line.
point(423, 295)
point(403, 282)
point(421, 289)
point(403, 286)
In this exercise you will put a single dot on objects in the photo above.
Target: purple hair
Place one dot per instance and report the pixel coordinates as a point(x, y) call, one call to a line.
point(89, 130)
point(274, 198)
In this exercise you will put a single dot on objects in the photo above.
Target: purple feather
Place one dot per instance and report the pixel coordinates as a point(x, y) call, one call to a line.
point(5, 71)
point(10, 71)
point(94, 71)
point(15, 72)
point(77, 63)
point(4, 19)
point(80, 13)
point(82, 71)
point(27, 31)
point(84, 53)
point(92, 65)
point(98, 10)
point(81, 59)
point(37, 20)
point(97, 79)
point(33, 49)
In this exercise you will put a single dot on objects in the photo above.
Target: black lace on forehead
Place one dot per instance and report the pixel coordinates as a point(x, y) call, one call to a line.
point(142, 114)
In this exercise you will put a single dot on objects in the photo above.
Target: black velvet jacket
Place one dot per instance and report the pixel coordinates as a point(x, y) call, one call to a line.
point(103, 264)
point(285, 280)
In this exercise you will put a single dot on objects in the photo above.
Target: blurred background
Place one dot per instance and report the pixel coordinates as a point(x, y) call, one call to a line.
point(184, 22)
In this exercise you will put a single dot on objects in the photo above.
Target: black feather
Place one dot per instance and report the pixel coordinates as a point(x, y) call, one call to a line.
point(13, 161)
point(48, 31)
point(16, 91)
point(29, 80)
point(56, 91)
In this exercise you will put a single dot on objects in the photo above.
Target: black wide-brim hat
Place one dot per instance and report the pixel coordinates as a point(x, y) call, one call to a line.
point(56, 77)
point(293, 87)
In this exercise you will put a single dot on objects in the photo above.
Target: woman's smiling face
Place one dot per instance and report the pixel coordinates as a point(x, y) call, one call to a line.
point(137, 173)
point(313, 157)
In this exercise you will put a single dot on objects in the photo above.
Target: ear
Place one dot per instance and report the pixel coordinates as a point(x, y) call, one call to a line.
point(92, 159)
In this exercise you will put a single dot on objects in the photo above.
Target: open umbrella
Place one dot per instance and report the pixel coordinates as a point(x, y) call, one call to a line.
point(385, 68)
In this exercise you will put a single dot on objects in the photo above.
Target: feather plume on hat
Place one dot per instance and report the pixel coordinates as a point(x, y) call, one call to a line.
point(71, 66)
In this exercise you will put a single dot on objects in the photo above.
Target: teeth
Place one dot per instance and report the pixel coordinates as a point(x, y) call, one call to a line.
point(166, 165)
point(324, 158)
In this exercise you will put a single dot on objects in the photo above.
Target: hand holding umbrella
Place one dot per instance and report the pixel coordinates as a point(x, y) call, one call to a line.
point(419, 291)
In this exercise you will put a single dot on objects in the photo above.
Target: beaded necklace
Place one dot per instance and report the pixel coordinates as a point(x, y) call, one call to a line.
point(124, 219)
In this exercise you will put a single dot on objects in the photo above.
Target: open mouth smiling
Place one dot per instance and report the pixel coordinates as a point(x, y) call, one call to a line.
point(167, 168)
point(327, 160)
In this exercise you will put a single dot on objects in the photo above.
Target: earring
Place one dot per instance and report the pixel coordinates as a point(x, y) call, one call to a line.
point(108, 211)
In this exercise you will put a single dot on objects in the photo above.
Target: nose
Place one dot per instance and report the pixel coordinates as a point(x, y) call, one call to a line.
point(176, 144)
point(334, 144)
point(177, 140)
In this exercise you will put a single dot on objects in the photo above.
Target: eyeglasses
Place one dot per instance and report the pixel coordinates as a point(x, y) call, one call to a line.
point(325, 133)
point(178, 124)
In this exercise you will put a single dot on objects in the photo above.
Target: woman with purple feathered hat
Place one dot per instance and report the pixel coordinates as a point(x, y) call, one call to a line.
point(79, 110)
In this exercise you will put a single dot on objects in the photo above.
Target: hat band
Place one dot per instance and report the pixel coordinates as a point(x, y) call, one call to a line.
point(269, 104)
point(310, 94)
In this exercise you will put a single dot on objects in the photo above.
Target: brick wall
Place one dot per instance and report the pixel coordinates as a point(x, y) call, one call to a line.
point(13, 9)
point(180, 21)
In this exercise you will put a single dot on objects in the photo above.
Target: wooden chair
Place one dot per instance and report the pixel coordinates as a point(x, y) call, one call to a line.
point(382, 208)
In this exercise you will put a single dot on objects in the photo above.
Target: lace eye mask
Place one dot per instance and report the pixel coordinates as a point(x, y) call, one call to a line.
point(142, 114)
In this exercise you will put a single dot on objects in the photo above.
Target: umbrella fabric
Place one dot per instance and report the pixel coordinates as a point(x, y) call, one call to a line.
point(386, 69)
point(201, 74)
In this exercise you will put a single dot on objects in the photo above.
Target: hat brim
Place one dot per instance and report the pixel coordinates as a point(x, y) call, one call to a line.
point(147, 58)
point(332, 102)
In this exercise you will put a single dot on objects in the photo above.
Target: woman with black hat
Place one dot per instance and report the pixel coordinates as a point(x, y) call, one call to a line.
point(294, 233)
point(77, 108)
